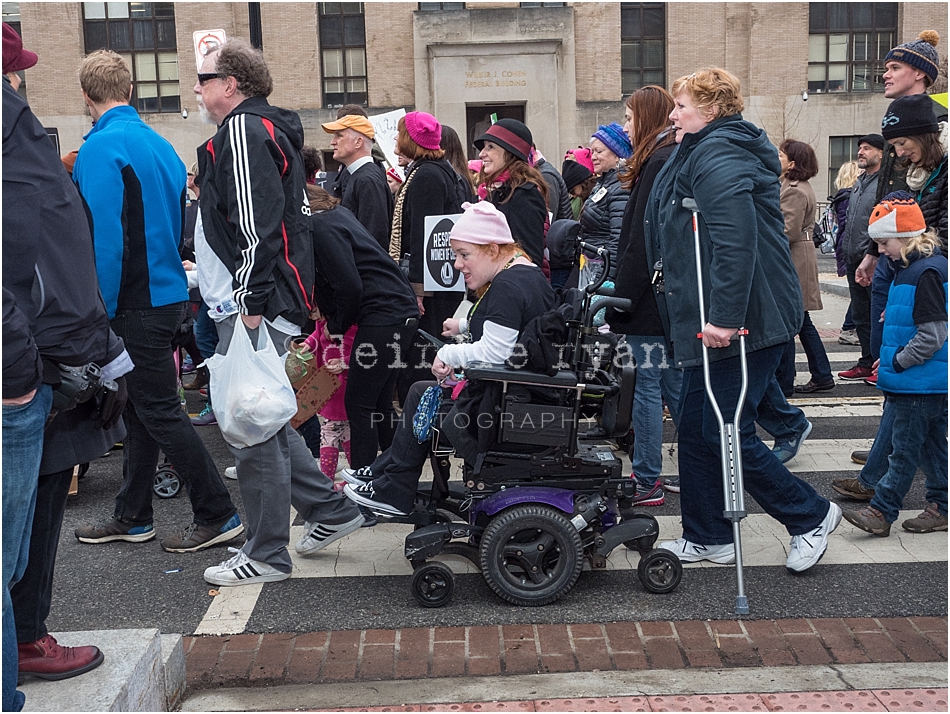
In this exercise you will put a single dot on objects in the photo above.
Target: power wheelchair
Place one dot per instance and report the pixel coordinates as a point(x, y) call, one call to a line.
point(539, 500)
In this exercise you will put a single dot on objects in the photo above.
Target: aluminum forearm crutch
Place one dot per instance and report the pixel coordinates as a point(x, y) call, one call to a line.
point(730, 447)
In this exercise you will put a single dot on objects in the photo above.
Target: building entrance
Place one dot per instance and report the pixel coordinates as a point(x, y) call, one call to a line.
point(478, 119)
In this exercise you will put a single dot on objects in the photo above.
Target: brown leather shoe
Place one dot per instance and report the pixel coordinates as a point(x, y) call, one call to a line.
point(852, 488)
point(930, 521)
point(47, 659)
point(201, 379)
point(860, 457)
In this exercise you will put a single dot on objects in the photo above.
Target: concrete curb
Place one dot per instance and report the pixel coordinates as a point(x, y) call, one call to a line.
point(143, 671)
point(839, 288)
point(573, 685)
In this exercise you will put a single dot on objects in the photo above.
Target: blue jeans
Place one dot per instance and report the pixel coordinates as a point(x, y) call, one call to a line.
point(788, 499)
point(657, 380)
point(876, 466)
point(22, 449)
point(880, 286)
point(156, 422)
point(778, 417)
point(818, 364)
point(918, 439)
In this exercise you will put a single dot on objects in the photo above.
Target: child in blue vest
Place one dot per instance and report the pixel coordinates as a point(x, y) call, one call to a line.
point(913, 368)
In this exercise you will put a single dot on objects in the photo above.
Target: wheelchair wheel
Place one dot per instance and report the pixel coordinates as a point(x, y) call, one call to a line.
point(660, 571)
point(167, 483)
point(531, 555)
point(433, 584)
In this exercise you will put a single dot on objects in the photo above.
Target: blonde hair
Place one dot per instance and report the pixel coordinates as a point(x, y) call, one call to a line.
point(712, 88)
point(105, 77)
point(847, 175)
point(924, 243)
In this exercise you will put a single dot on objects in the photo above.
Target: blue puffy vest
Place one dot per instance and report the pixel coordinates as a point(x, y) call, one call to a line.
point(899, 328)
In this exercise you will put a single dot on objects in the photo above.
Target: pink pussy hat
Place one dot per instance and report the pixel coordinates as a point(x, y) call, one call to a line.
point(424, 129)
point(481, 224)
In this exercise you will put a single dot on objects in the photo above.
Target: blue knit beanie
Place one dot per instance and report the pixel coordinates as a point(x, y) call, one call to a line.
point(614, 138)
point(920, 54)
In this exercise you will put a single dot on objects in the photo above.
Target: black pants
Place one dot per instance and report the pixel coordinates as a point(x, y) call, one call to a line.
point(861, 315)
point(34, 593)
point(438, 308)
point(155, 421)
point(378, 352)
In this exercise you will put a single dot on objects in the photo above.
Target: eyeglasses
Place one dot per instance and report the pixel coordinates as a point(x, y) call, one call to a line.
point(208, 76)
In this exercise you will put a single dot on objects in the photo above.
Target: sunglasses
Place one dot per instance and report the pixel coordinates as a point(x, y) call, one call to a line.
point(208, 76)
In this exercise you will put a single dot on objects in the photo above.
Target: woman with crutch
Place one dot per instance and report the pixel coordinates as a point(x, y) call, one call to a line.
point(731, 171)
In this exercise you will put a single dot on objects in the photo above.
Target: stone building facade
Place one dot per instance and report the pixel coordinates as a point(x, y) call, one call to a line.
point(559, 66)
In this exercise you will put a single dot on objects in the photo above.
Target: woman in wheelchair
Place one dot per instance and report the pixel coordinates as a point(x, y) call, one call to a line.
point(512, 291)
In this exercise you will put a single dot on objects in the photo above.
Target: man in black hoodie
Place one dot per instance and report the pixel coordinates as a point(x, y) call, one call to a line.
point(255, 218)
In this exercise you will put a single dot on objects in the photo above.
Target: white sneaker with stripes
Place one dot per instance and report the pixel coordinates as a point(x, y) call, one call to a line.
point(241, 570)
point(317, 536)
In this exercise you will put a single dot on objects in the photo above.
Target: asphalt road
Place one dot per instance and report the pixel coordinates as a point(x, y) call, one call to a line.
point(124, 585)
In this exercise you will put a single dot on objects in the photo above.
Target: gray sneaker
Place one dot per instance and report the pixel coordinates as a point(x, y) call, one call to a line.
point(194, 537)
point(110, 529)
point(929, 521)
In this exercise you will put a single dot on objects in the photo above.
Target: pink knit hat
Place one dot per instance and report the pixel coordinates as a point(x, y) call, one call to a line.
point(481, 224)
point(424, 129)
point(582, 156)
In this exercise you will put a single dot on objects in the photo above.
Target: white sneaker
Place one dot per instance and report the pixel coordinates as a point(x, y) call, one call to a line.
point(241, 570)
point(356, 477)
point(807, 549)
point(694, 552)
point(317, 536)
point(231, 473)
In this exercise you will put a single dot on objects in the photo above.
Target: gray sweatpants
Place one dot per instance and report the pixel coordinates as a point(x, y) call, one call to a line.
point(276, 474)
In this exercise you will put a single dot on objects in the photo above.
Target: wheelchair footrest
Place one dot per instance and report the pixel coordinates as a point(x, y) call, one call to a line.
point(431, 540)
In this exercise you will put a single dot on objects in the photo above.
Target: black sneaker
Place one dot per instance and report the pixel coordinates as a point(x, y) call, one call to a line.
point(672, 484)
point(357, 476)
point(194, 537)
point(111, 529)
point(365, 495)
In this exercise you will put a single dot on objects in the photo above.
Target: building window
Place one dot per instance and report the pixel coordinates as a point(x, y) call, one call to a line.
point(11, 16)
point(847, 43)
point(143, 33)
point(642, 45)
point(343, 42)
point(436, 6)
point(841, 149)
point(541, 4)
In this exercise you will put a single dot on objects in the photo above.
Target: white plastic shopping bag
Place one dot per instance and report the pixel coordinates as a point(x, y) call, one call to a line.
point(252, 395)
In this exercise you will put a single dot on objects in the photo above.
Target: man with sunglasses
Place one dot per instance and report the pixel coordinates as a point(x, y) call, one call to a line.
point(257, 273)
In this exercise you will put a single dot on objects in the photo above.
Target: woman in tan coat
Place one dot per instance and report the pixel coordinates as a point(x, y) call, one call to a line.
point(799, 164)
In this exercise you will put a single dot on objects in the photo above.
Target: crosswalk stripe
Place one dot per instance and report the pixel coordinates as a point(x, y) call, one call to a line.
point(815, 455)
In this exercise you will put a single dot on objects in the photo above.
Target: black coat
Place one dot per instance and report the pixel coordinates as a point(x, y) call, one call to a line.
point(602, 214)
point(366, 193)
point(634, 273)
point(933, 202)
point(51, 302)
point(433, 189)
point(558, 195)
point(527, 214)
point(356, 281)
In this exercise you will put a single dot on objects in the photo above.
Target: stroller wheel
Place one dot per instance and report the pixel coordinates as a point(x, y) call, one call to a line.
point(433, 584)
point(166, 483)
point(660, 571)
point(531, 555)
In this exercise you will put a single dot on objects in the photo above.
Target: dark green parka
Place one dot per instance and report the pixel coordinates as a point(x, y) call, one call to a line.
point(732, 171)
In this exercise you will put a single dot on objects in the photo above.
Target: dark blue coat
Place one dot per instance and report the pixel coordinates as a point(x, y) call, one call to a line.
point(732, 171)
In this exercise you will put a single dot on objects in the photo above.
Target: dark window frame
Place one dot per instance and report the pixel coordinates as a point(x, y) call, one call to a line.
point(847, 43)
point(841, 149)
point(342, 32)
point(440, 6)
point(642, 37)
point(147, 31)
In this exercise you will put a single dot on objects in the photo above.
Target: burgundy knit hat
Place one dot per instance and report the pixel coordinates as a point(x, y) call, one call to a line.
point(424, 129)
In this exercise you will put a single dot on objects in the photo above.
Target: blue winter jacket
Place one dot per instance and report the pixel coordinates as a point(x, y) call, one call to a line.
point(134, 185)
point(899, 329)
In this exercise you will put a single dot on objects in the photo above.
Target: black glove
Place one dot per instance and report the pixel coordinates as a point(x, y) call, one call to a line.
point(110, 407)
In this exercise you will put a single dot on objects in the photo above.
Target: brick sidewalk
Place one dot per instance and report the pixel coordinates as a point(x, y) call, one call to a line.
point(416, 653)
